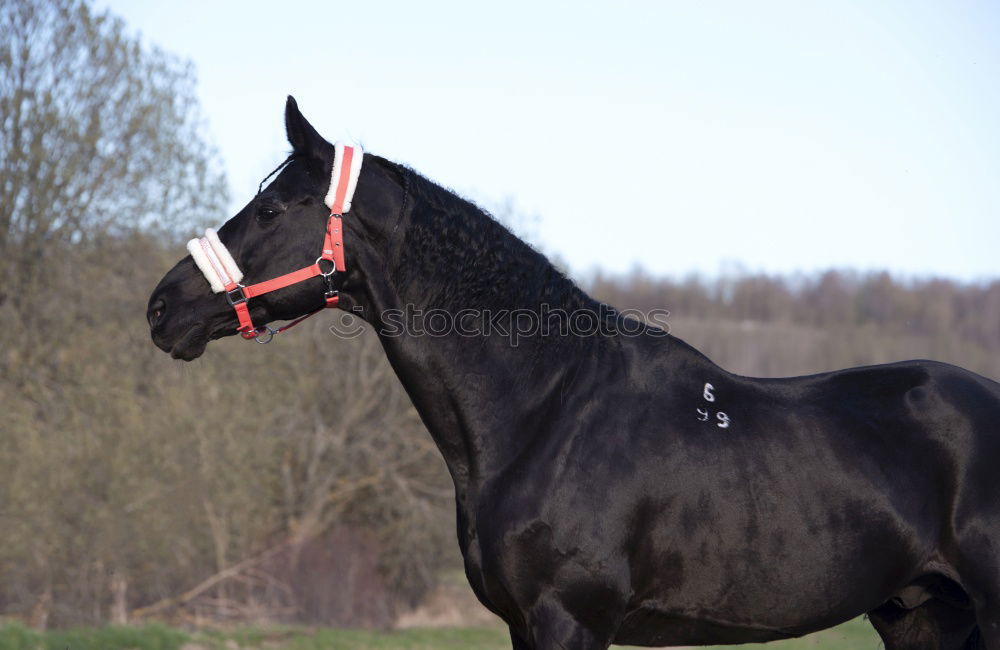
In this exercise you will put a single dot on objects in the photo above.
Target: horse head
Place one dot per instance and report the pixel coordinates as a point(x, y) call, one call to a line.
point(278, 231)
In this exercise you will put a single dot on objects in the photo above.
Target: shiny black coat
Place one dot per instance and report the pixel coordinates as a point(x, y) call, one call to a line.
point(616, 486)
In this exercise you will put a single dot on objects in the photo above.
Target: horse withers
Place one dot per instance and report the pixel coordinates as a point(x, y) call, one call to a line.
point(612, 484)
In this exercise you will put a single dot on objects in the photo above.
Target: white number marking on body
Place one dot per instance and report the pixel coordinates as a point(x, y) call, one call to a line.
point(708, 394)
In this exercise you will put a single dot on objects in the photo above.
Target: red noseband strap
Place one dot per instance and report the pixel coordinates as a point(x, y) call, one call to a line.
point(223, 275)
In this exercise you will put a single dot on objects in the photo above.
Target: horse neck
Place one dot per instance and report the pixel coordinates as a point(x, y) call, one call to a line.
point(482, 398)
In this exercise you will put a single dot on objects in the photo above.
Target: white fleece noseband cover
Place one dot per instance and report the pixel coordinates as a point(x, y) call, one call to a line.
point(215, 260)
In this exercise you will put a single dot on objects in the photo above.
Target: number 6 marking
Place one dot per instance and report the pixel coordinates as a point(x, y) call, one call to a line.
point(707, 394)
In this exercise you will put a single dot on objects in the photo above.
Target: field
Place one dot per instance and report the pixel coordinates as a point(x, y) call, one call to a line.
point(855, 635)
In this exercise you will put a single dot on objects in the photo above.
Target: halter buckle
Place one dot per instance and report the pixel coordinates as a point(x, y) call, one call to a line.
point(239, 291)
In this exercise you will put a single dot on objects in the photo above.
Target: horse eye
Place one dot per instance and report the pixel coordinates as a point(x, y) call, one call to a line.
point(267, 213)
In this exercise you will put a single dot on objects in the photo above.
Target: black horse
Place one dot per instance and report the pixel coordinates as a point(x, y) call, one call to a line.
point(613, 485)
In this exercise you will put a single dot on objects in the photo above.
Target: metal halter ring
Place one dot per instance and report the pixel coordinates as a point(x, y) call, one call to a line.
point(328, 273)
point(270, 335)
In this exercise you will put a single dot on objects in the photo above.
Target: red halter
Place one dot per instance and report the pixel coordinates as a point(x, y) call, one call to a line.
point(347, 167)
point(333, 252)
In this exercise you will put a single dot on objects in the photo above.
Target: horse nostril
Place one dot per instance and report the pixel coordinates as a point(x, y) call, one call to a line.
point(156, 312)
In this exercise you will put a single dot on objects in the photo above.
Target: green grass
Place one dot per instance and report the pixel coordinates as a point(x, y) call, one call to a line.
point(146, 637)
point(855, 635)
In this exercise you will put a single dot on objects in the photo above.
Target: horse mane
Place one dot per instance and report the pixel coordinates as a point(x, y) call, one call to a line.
point(476, 261)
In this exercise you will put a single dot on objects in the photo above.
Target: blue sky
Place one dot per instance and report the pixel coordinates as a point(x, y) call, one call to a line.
point(683, 137)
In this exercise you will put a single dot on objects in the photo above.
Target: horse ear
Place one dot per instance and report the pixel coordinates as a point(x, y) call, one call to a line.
point(305, 140)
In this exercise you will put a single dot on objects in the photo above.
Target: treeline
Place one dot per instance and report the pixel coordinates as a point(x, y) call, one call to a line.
point(769, 325)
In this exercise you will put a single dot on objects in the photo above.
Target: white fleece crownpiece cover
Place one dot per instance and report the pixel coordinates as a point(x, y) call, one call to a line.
point(215, 261)
point(338, 171)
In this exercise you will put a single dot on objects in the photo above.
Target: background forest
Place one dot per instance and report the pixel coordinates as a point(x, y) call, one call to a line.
point(283, 483)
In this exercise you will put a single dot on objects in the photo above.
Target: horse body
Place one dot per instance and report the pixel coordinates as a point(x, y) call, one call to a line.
point(619, 487)
point(824, 498)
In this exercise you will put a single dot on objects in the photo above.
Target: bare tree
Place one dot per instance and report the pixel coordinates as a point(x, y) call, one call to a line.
point(97, 133)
